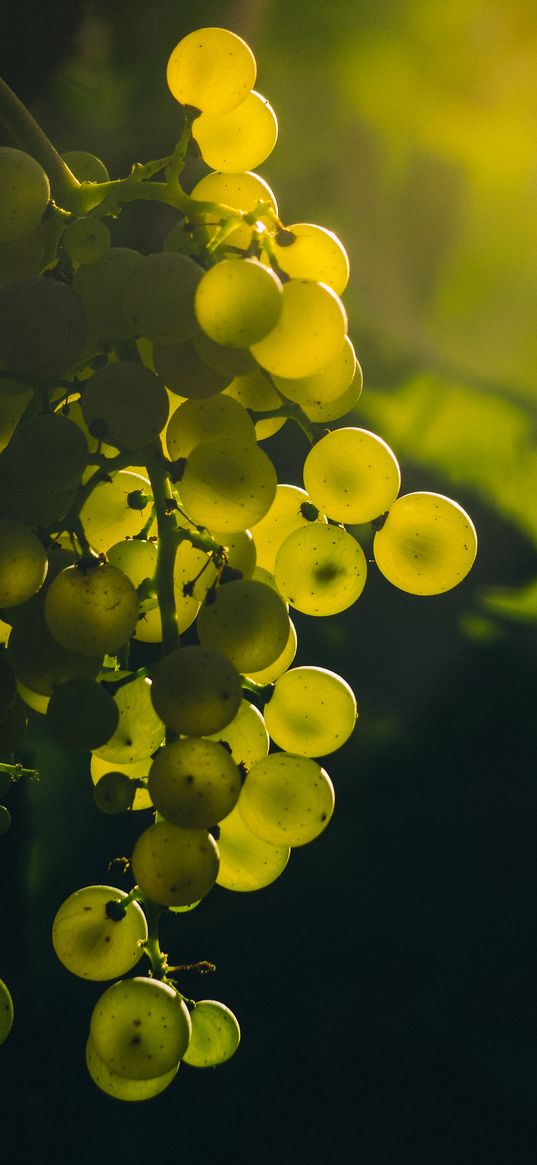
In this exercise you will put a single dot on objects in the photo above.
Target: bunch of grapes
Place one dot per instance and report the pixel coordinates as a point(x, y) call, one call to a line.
point(149, 557)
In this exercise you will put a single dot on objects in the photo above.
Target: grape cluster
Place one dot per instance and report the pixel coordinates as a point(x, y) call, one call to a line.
point(137, 506)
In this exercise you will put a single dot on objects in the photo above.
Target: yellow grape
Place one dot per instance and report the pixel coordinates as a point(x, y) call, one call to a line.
point(227, 485)
point(307, 251)
point(91, 943)
point(325, 386)
point(246, 861)
point(291, 509)
point(175, 866)
point(427, 544)
point(320, 570)
point(122, 1087)
point(239, 140)
point(352, 475)
point(157, 1016)
point(309, 333)
point(312, 711)
point(237, 302)
point(212, 69)
point(287, 799)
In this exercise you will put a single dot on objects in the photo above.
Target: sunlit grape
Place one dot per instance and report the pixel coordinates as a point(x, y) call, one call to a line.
point(122, 1087)
point(352, 475)
point(287, 799)
point(212, 69)
point(246, 861)
point(215, 1034)
point(309, 333)
point(320, 569)
point(427, 544)
point(238, 301)
point(312, 711)
point(194, 782)
point(140, 1028)
point(92, 610)
point(173, 865)
point(239, 140)
point(93, 943)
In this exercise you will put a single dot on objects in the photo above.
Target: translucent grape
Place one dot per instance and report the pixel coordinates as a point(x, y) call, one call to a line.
point(246, 862)
point(175, 866)
point(238, 301)
point(38, 660)
point(125, 404)
point(228, 361)
point(246, 621)
point(427, 544)
point(136, 557)
point(291, 509)
point(81, 714)
point(196, 690)
point(100, 768)
point(215, 1035)
point(212, 69)
point(307, 251)
point(312, 711)
point(121, 1087)
point(100, 287)
point(92, 944)
point(322, 412)
point(86, 167)
point(106, 514)
point(24, 193)
point(324, 386)
point(6, 1011)
point(227, 485)
point(287, 799)
point(320, 570)
point(140, 1028)
point(86, 239)
point(239, 140)
point(200, 420)
point(159, 303)
point(255, 391)
point(352, 475)
point(268, 675)
point(309, 333)
point(184, 371)
point(139, 730)
point(246, 735)
point(92, 609)
point(242, 192)
point(114, 792)
point(42, 327)
point(23, 563)
point(194, 783)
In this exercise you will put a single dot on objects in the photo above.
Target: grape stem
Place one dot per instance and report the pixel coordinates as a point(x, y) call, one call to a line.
point(16, 771)
point(157, 471)
point(29, 136)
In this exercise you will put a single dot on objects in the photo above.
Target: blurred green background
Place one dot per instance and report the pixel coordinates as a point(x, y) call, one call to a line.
point(386, 984)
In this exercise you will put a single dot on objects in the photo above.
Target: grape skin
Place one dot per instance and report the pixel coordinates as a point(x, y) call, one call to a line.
point(90, 943)
point(287, 799)
point(175, 866)
point(122, 1087)
point(140, 1028)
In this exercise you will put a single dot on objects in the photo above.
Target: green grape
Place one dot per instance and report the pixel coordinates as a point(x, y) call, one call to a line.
point(352, 475)
point(237, 302)
point(81, 714)
point(125, 404)
point(5, 819)
point(121, 1087)
point(255, 391)
point(100, 287)
point(311, 712)
point(139, 731)
point(247, 622)
point(212, 69)
point(268, 675)
point(242, 192)
point(228, 361)
point(6, 1011)
point(196, 691)
point(194, 783)
point(215, 1035)
point(287, 799)
point(38, 660)
point(42, 327)
point(307, 251)
point(91, 943)
point(320, 570)
point(322, 412)
point(114, 793)
point(159, 303)
point(240, 552)
point(200, 420)
point(22, 258)
point(246, 862)
point(427, 544)
point(136, 557)
point(23, 563)
point(86, 239)
point(139, 797)
point(86, 167)
point(185, 372)
point(246, 736)
point(227, 485)
point(174, 866)
point(41, 468)
point(309, 333)
point(91, 609)
point(140, 1028)
point(325, 386)
point(106, 514)
point(291, 509)
point(239, 140)
point(24, 193)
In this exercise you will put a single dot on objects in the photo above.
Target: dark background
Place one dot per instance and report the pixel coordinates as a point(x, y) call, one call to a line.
point(386, 984)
